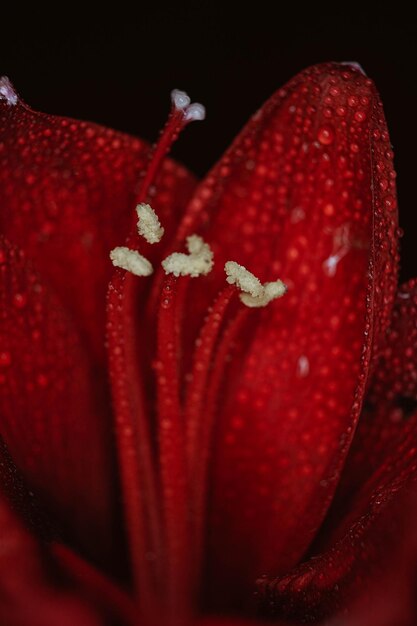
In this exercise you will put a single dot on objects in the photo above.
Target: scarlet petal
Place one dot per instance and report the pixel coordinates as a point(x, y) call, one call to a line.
point(376, 549)
point(54, 418)
point(27, 595)
point(370, 535)
point(307, 194)
point(390, 403)
point(22, 499)
point(224, 621)
point(67, 197)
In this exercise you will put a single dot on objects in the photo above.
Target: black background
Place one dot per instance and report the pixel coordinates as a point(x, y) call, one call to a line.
point(117, 66)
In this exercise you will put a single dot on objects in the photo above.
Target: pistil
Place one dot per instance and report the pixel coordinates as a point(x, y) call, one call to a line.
point(182, 113)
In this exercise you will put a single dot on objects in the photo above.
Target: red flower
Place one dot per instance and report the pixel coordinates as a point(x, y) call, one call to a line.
point(240, 453)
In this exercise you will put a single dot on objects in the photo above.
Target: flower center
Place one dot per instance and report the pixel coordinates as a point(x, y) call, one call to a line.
point(186, 402)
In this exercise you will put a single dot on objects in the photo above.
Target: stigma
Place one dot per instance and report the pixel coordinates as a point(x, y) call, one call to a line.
point(193, 111)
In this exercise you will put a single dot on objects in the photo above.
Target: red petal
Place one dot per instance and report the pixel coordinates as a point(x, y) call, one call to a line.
point(21, 498)
point(298, 188)
point(224, 621)
point(67, 194)
point(381, 462)
point(377, 544)
point(390, 402)
point(55, 418)
point(27, 597)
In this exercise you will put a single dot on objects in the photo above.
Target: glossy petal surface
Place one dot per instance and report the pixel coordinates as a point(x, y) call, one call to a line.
point(307, 194)
point(370, 531)
point(54, 414)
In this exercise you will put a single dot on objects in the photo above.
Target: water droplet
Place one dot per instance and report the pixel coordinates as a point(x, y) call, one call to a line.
point(19, 300)
point(5, 359)
point(303, 366)
point(360, 116)
point(325, 135)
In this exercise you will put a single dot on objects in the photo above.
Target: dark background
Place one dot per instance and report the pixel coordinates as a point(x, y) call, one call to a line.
point(117, 67)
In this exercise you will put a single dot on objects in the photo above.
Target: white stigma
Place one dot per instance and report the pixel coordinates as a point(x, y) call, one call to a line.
point(7, 92)
point(198, 262)
point(196, 112)
point(254, 293)
point(180, 99)
point(149, 225)
point(193, 111)
point(131, 261)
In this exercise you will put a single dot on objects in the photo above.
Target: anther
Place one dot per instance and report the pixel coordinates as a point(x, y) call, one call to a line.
point(242, 278)
point(131, 261)
point(198, 262)
point(271, 291)
point(149, 225)
point(254, 293)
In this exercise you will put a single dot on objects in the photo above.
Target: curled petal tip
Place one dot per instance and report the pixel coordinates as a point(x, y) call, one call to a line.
point(7, 92)
point(354, 65)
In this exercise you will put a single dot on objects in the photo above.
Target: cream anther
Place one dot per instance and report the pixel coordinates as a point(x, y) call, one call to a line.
point(180, 99)
point(149, 225)
point(131, 261)
point(198, 262)
point(7, 92)
point(254, 294)
point(245, 280)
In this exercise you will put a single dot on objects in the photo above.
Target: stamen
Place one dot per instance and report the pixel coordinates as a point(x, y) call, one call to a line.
point(202, 362)
point(200, 468)
point(131, 261)
point(254, 293)
point(149, 225)
point(182, 113)
point(172, 454)
point(198, 262)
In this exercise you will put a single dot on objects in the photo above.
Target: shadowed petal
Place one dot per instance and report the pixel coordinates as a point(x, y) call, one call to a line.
point(370, 533)
point(376, 549)
point(307, 194)
point(390, 403)
point(67, 197)
point(54, 415)
point(28, 597)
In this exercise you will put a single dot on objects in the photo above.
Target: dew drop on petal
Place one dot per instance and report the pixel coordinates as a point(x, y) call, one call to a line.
point(325, 135)
point(5, 359)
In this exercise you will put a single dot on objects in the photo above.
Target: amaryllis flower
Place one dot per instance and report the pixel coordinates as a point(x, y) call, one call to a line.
point(223, 426)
